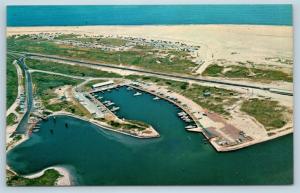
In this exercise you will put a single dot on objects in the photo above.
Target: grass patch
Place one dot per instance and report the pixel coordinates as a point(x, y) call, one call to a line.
point(131, 125)
point(46, 84)
point(11, 119)
point(49, 178)
point(269, 113)
point(68, 107)
point(144, 58)
point(215, 70)
point(68, 69)
point(11, 82)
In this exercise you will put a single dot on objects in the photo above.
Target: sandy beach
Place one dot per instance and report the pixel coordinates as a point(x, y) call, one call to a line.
point(249, 42)
point(65, 180)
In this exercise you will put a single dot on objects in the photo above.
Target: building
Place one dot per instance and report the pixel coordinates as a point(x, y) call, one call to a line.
point(101, 84)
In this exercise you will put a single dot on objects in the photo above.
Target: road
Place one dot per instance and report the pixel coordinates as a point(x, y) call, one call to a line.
point(212, 82)
point(22, 127)
point(12, 108)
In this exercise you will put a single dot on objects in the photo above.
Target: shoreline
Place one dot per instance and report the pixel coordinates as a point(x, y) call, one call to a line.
point(97, 123)
point(64, 180)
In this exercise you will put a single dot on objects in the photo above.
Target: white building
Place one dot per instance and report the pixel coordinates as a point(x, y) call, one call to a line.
point(101, 84)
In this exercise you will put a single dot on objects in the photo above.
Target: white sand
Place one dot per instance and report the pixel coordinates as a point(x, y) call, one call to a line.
point(251, 42)
point(65, 180)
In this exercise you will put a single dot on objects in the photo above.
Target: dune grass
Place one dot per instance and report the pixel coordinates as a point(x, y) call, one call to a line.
point(269, 113)
point(147, 58)
point(234, 71)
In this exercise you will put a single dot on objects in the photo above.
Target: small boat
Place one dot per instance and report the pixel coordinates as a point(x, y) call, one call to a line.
point(181, 113)
point(190, 126)
point(109, 104)
point(114, 109)
point(137, 94)
point(129, 88)
point(156, 98)
point(99, 97)
point(187, 120)
point(66, 125)
point(35, 130)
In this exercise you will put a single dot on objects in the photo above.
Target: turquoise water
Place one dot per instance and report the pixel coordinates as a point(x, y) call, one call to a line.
point(149, 15)
point(99, 157)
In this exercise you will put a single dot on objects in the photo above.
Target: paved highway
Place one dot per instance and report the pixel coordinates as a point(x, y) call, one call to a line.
point(165, 75)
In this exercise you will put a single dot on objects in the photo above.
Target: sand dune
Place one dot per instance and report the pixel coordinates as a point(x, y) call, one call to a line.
point(248, 42)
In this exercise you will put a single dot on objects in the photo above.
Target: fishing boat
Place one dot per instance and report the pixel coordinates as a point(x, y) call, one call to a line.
point(190, 126)
point(109, 104)
point(35, 130)
point(114, 109)
point(181, 113)
point(137, 94)
point(156, 98)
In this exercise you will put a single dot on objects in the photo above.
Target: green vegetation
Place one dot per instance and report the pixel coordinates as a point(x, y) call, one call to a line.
point(49, 178)
point(244, 72)
point(217, 102)
point(11, 82)
point(130, 125)
point(66, 37)
point(163, 61)
point(111, 41)
point(100, 40)
point(68, 107)
point(213, 70)
point(45, 86)
point(17, 137)
point(68, 69)
point(11, 119)
point(269, 113)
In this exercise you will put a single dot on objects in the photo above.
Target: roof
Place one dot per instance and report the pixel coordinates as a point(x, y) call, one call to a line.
point(103, 83)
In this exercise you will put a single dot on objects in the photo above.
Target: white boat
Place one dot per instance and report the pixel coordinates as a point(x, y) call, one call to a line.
point(190, 126)
point(129, 88)
point(181, 113)
point(115, 109)
point(109, 104)
point(156, 98)
point(137, 94)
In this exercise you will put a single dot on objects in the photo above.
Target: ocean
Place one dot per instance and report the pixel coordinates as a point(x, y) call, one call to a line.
point(149, 15)
point(95, 156)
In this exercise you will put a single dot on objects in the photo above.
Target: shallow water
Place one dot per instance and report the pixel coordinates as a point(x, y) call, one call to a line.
point(149, 15)
point(99, 157)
